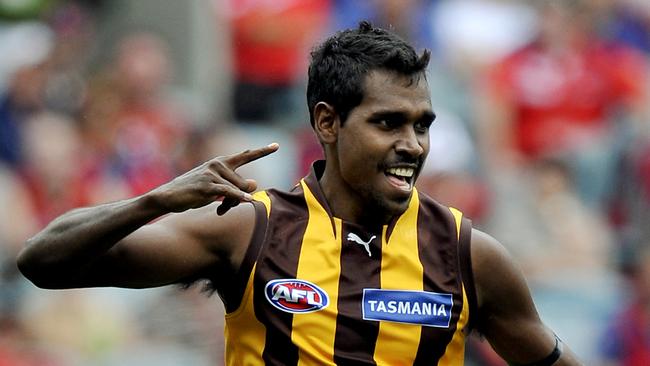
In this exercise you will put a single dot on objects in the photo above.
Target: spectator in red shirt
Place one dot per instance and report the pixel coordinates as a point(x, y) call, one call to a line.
point(270, 41)
point(556, 97)
point(130, 126)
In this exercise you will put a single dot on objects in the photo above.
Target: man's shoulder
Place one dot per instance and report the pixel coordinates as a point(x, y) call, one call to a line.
point(430, 203)
point(278, 196)
point(206, 220)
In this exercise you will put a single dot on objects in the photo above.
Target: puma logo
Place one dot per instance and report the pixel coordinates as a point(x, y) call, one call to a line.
point(355, 238)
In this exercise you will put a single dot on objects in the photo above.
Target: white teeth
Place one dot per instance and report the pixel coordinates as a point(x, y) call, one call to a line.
point(401, 172)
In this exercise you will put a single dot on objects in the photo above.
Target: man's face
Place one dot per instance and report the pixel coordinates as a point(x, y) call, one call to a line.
point(382, 145)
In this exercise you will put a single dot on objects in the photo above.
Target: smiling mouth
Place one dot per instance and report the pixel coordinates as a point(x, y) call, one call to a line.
point(401, 177)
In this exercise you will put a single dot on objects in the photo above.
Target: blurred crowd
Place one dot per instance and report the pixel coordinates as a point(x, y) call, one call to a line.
point(542, 138)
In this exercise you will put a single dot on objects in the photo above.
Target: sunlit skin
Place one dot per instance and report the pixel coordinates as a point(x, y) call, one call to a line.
point(389, 129)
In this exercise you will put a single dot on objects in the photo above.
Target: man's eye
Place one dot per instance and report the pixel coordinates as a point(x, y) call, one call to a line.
point(389, 122)
point(422, 126)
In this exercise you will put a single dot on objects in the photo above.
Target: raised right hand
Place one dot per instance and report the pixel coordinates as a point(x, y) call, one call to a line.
point(210, 181)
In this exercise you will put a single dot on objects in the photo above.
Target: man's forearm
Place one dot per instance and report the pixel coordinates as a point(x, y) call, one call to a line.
point(82, 235)
point(75, 249)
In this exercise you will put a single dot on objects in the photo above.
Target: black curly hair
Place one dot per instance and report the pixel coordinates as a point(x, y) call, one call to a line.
point(340, 64)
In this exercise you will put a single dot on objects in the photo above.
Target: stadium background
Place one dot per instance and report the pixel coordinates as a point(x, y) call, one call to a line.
point(101, 100)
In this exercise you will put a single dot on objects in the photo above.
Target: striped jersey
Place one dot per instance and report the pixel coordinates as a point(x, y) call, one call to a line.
point(316, 290)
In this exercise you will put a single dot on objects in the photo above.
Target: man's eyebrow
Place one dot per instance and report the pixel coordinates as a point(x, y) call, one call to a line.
point(389, 115)
point(426, 115)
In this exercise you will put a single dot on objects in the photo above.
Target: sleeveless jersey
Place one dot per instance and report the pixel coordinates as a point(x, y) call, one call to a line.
point(317, 290)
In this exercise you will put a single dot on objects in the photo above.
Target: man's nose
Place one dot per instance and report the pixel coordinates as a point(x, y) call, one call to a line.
point(409, 144)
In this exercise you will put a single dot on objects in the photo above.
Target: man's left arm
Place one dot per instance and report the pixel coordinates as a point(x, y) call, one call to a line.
point(506, 313)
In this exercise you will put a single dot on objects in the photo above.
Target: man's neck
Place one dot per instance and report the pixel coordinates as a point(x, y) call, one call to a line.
point(345, 204)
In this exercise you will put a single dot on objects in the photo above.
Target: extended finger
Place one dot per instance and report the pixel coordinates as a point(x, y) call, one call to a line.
point(234, 161)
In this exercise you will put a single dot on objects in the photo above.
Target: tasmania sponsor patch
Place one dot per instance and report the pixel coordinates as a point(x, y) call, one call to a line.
point(296, 296)
point(412, 307)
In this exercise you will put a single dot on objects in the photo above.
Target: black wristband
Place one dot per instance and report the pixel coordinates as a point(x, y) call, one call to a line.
point(548, 360)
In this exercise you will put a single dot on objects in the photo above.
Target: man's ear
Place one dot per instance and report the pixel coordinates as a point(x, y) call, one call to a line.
point(326, 123)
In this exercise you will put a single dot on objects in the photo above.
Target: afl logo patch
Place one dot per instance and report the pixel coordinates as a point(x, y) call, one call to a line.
point(296, 296)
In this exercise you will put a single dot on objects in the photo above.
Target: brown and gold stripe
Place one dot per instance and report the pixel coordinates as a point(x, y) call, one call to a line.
point(279, 259)
point(355, 338)
point(438, 249)
point(401, 269)
point(318, 263)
